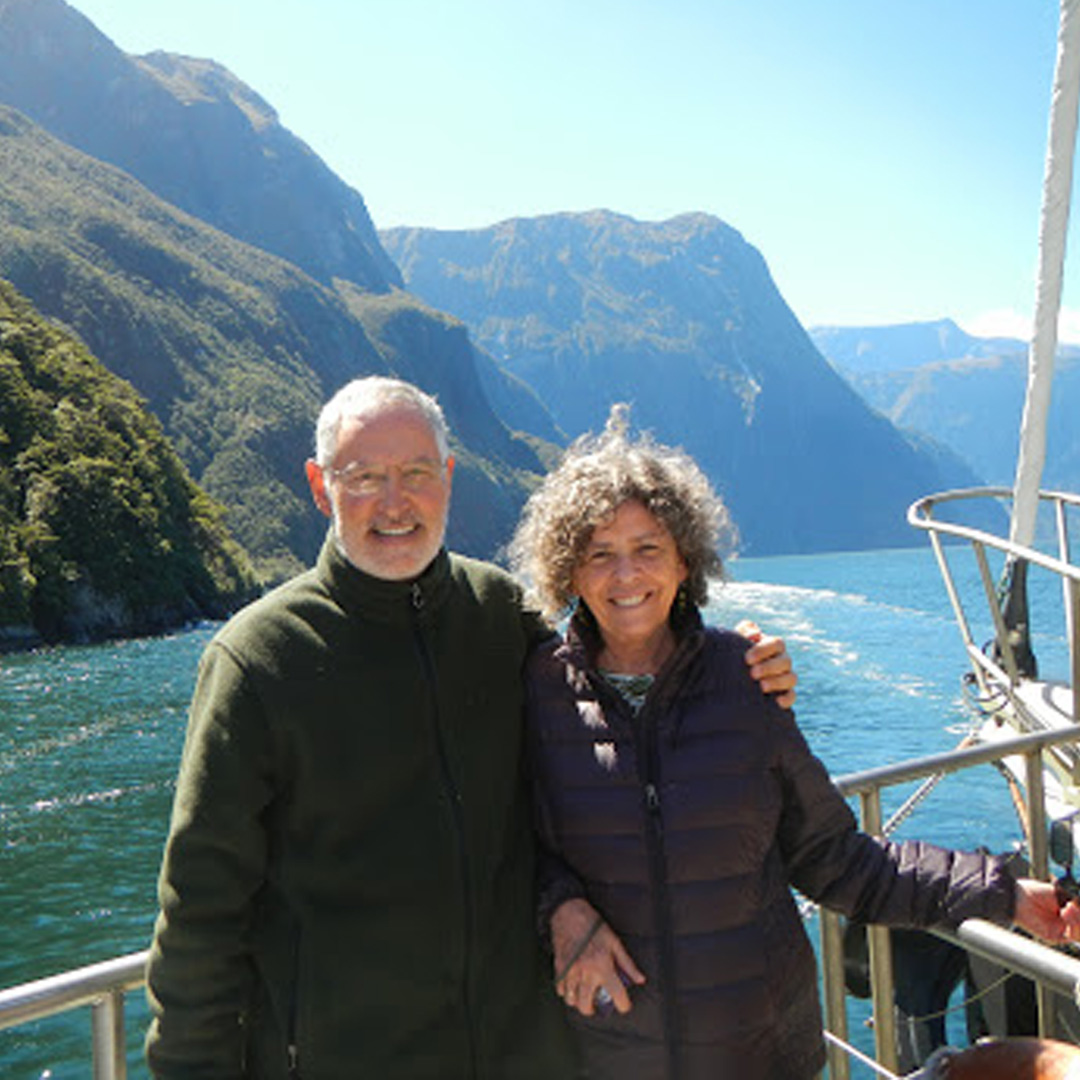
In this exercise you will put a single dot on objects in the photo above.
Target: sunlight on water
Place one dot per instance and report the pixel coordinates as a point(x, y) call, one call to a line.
point(880, 662)
point(89, 742)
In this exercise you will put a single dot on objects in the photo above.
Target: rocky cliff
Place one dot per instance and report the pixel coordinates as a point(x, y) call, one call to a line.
point(682, 319)
point(235, 349)
point(191, 132)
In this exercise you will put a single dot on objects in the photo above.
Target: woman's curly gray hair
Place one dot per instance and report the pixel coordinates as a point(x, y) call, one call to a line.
point(596, 476)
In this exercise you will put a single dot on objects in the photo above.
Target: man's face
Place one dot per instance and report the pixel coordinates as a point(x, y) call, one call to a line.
point(386, 491)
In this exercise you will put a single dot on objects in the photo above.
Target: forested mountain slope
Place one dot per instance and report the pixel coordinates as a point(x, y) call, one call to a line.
point(102, 531)
point(235, 349)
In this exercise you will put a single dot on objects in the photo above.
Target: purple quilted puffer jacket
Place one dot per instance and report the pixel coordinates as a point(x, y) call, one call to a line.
point(685, 827)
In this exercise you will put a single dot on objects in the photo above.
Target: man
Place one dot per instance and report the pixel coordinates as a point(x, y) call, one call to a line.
point(347, 888)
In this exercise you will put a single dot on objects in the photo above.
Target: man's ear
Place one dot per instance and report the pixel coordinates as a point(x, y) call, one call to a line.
point(317, 483)
point(450, 468)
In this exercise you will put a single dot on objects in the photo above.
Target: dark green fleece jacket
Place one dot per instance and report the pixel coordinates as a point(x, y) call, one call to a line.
point(347, 888)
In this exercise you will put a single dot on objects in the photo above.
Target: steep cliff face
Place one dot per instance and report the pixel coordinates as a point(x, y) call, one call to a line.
point(682, 319)
point(192, 133)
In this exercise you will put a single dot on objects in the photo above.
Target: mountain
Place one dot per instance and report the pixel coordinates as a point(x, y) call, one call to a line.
point(194, 134)
point(682, 319)
point(234, 347)
point(871, 349)
point(156, 206)
point(963, 391)
point(102, 531)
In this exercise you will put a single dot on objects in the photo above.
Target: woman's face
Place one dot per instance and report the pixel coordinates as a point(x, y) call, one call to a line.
point(629, 574)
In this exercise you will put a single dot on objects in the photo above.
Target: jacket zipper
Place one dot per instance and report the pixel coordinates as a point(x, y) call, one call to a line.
point(654, 839)
point(451, 789)
point(292, 1049)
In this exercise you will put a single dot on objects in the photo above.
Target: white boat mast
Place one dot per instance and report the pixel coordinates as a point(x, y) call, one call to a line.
point(1057, 191)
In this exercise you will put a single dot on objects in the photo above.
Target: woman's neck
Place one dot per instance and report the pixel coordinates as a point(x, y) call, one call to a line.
point(637, 657)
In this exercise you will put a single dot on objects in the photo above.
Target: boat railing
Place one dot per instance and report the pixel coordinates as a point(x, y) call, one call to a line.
point(1000, 668)
point(103, 987)
point(1053, 971)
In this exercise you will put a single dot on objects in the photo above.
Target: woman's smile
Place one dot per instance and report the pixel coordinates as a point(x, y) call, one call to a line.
point(629, 576)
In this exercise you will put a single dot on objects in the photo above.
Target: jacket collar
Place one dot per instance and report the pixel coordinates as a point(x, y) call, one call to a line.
point(582, 642)
point(376, 599)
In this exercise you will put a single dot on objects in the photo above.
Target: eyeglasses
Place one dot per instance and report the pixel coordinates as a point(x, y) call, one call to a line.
point(367, 480)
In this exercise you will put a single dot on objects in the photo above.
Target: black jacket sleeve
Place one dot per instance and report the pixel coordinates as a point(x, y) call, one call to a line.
point(870, 879)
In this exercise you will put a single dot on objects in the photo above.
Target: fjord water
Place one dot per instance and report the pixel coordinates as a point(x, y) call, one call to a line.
point(90, 739)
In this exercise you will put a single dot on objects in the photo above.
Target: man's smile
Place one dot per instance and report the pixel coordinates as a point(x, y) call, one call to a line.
point(394, 530)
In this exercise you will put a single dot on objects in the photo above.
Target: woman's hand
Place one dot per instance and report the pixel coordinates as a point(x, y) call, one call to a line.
point(1038, 911)
point(769, 663)
point(589, 957)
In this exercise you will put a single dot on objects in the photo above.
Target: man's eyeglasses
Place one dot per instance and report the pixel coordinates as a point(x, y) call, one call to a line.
point(366, 480)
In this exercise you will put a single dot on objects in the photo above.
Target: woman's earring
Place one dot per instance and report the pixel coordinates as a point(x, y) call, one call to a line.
point(583, 611)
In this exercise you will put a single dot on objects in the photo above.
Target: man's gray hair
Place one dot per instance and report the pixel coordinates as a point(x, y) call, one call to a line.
point(370, 395)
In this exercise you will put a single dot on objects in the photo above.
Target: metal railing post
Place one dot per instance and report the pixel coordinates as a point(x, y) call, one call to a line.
point(1072, 597)
point(832, 965)
point(881, 962)
point(1040, 866)
point(107, 1025)
point(1039, 840)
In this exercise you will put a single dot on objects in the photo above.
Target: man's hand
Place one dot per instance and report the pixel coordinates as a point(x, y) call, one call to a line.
point(769, 663)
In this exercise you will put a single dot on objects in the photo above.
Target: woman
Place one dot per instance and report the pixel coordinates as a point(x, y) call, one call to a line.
point(678, 804)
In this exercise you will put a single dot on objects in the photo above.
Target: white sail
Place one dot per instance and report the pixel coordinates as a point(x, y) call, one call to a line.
point(1057, 190)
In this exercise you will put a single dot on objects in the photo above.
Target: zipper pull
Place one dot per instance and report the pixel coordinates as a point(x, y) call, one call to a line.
point(294, 1062)
point(417, 596)
point(652, 798)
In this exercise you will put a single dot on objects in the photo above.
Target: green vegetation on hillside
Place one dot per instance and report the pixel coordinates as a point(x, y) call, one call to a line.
point(235, 349)
point(232, 348)
point(102, 531)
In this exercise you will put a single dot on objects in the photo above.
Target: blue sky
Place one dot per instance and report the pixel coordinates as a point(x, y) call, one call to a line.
point(886, 159)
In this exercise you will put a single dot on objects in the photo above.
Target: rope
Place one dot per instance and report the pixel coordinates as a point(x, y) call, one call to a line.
point(926, 1070)
point(967, 1000)
point(860, 1057)
point(907, 808)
